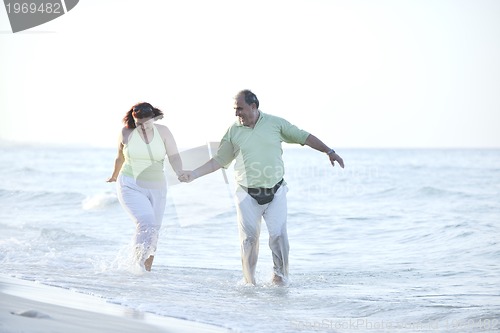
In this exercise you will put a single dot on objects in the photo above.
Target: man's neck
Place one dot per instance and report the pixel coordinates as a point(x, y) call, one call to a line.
point(252, 125)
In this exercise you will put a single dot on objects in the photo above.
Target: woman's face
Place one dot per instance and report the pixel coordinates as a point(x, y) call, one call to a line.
point(144, 123)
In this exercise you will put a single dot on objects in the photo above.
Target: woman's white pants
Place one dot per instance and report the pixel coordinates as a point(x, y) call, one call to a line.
point(146, 207)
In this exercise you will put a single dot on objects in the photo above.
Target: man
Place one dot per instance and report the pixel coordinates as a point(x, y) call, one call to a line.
point(254, 141)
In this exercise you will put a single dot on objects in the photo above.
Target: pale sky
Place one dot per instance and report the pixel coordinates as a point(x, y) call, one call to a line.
point(400, 73)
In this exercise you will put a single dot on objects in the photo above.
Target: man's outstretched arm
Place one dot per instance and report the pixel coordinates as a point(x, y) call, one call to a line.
point(317, 144)
point(209, 167)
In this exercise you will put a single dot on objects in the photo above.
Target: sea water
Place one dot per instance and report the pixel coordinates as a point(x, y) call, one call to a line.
point(401, 240)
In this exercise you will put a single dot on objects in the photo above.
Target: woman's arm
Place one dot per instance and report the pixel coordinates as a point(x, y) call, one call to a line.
point(171, 147)
point(118, 161)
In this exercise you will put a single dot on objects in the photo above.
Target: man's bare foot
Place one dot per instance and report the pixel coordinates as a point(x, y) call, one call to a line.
point(278, 280)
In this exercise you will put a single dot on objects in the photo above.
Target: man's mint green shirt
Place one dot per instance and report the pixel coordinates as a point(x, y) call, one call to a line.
point(257, 150)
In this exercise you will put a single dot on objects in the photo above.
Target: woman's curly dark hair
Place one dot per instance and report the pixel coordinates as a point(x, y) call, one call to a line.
point(140, 110)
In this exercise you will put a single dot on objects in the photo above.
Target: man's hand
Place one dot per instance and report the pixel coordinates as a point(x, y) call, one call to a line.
point(334, 157)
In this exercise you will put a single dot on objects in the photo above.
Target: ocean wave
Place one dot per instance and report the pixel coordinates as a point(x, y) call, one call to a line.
point(62, 236)
point(40, 198)
point(436, 192)
point(24, 170)
point(386, 192)
point(99, 201)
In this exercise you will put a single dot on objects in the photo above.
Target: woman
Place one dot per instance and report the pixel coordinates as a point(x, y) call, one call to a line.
point(142, 188)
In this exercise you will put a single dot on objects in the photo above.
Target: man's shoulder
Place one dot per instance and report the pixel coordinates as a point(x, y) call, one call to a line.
point(231, 129)
point(273, 118)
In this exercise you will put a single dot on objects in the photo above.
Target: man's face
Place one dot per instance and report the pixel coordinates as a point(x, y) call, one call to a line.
point(243, 111)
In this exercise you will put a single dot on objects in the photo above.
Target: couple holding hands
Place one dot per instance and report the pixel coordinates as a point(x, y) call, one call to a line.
point(253, 142)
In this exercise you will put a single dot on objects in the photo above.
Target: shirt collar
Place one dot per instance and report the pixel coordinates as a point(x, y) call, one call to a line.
point(261, 115)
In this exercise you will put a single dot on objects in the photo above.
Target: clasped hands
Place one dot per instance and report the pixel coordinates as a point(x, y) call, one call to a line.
point(185, 176)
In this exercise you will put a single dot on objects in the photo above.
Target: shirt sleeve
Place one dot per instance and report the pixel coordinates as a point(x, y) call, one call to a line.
point(226, 152)
point(292, 134)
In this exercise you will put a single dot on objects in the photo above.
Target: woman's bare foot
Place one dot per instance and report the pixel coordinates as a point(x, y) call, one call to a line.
point(148, 263)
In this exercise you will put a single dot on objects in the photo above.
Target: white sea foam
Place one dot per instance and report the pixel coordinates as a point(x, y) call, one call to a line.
point(99, 201)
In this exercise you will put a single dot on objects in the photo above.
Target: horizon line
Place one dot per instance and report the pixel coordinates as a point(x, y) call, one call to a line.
point(6, 142)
